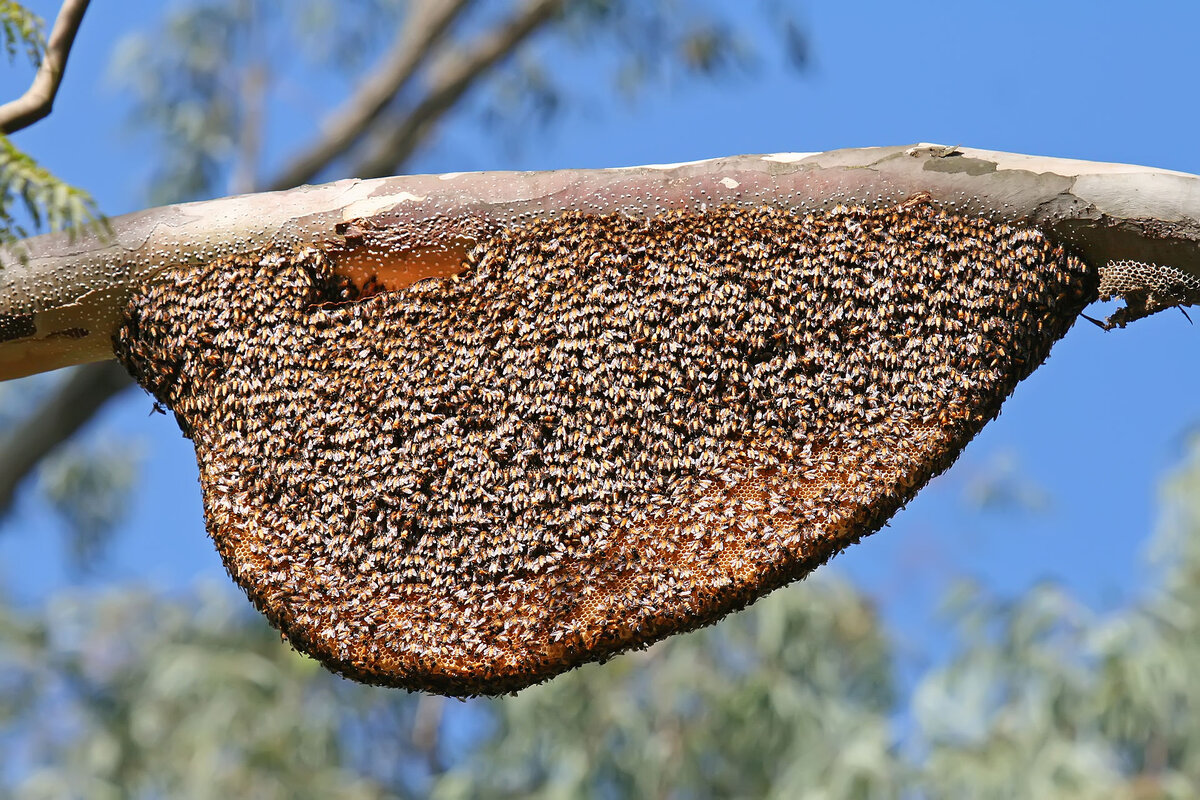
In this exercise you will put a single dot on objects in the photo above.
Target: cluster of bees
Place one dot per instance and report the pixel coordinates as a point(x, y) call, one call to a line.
point(606, 429)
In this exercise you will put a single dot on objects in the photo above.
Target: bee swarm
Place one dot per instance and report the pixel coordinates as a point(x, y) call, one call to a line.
point(606, 429)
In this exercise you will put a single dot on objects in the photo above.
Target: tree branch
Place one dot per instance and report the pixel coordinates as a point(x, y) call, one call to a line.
point(70, 406)
point(90, 388)
point(38, 100)
point(430, 21)
point(62, 301)
point(405, 135)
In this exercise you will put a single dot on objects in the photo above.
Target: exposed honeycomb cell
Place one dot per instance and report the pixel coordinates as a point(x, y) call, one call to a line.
point(607, 429)
point(1145, 288)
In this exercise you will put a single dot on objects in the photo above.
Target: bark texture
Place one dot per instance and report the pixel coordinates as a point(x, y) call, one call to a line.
point(61, 295)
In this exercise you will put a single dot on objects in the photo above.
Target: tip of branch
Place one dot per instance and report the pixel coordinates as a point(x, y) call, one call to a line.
point(1146, 289)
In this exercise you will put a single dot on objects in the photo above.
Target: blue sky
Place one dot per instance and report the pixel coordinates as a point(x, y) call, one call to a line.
point(1094, 431)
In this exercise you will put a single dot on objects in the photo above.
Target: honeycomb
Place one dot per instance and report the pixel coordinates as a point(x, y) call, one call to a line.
point(1145, 288)
point(606, 429)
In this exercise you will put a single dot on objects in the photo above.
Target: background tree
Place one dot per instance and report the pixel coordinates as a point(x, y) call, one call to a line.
point(1045, 693)
point(131, 695)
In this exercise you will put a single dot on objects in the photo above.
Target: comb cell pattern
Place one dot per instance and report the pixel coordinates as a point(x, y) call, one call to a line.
point(605, 430)
point(1146, 289)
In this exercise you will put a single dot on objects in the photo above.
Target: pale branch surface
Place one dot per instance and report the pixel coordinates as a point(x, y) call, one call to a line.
point(60, 304)
point(38, 100)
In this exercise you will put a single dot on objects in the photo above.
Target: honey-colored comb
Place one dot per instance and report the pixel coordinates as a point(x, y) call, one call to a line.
point(460, 433)
point(605, 430)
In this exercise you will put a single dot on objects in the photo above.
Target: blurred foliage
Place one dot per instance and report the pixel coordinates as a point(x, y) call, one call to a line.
point(22, 31)
point(136, 694)
point(789, 699)
point(188, 77)
point(31, 197)
point(133, 695)
point(90, 484)
point(186, 82)
point(1001, 485)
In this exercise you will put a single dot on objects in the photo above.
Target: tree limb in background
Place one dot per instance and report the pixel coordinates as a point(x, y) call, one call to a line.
point(398, 138)
point(55, 421)
point(253, 86)
point(425, 28)
point(428, 26)
point(37, 102)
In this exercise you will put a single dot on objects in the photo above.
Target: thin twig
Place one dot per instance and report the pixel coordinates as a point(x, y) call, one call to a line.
point(404, 136)
point(38, 100)
point(427, 25)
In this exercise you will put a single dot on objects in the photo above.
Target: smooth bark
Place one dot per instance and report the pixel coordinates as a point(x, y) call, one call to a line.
point(38, 100)
point(61, 297)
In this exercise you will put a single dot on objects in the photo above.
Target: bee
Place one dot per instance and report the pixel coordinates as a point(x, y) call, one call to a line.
point(586, 412)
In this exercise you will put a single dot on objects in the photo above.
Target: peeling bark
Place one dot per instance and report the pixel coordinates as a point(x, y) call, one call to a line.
point(61, 295)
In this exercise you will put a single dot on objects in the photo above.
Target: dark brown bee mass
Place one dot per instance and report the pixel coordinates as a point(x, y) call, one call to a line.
point(606, 430)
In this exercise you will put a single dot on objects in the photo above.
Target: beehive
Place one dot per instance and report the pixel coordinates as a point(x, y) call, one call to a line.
point(608, 428)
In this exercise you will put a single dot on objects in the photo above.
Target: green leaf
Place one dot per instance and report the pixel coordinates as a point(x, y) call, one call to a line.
point(30, 192)
point(21, 29)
